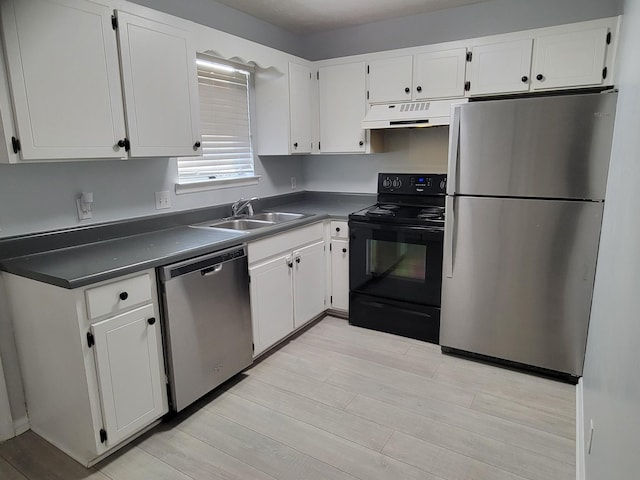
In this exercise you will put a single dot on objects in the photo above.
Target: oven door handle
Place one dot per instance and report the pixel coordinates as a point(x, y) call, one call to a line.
point(397, 308)
point(449, 234)
point(454, 150)
point(415, 230)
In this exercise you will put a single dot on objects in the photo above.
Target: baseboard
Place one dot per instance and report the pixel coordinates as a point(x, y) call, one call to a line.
point(21, 425)
point(580, 445)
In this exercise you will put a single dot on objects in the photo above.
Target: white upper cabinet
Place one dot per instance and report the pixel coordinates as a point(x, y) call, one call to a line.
point(300, 87)
point(67, 82)
point(570, 59)
point(342, 108)
point(429, 75)
point(390, 79)
point(161, 88)
point(500, 67)
point(63, 69)
point(439, 74)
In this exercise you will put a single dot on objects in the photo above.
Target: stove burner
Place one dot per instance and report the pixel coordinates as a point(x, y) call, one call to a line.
point(432, 213)
point(381, 212)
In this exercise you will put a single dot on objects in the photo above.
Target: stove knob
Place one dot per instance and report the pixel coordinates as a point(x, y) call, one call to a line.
point(397, 183)
point(443, 184)
point(386, 183)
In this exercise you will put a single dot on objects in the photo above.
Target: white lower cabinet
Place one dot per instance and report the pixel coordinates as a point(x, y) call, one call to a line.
point(91, 361)
point(287, 274)
point(339, 252)
point(340, 274)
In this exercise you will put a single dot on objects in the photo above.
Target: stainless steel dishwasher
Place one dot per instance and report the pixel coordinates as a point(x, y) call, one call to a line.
point(207, 322)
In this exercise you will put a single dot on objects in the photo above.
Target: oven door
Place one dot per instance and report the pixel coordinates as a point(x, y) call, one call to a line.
point(396, 262)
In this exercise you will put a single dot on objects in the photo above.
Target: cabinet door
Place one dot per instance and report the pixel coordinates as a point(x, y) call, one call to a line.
point(569, 59)
point(439, 74)
point(128, 352)
point(342, 108)
point(309, 283)
point(500, 67)
point(63, 69)
point(390, 79)
point(340, 274)
point(300, 108)
point(160, 83)
point(271, 302)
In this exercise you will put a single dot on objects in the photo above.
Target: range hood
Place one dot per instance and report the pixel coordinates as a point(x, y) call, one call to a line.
point(410, 114)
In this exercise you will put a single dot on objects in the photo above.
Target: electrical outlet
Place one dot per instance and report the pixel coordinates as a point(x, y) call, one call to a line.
point(590, 441)
point(163, 200)
point(293, 183)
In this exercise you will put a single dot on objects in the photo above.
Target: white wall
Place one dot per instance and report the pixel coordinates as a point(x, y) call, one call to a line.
point(611, 379)
point(419, 150)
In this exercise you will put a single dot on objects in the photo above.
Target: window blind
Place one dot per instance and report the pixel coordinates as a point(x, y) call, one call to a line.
point(225, 125)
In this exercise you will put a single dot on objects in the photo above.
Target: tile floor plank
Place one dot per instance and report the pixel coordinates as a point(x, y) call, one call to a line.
point(347, 456)
point(525, 415)
point(197, 459)
point(503, 455)
point(442, 462)
point(37, 459)
point(346, 425)
point(7, 472)
point(260, 451)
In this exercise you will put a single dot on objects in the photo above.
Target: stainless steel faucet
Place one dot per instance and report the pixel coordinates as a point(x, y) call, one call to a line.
point(242, 204)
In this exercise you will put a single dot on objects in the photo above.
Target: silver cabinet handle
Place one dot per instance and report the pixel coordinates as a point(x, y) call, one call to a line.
point(211, 270)
point(454, 150)
point(449, 232)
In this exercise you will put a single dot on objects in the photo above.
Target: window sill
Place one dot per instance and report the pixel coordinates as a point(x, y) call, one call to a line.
point(203, 186)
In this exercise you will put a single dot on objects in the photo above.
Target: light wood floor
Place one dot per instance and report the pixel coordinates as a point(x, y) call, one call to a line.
point(341, 402)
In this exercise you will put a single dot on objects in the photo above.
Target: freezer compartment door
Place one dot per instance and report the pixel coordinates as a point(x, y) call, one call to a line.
point(545, 147)
point(521, 279)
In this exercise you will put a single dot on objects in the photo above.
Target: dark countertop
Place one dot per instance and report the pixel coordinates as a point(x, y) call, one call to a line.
point(81, 265)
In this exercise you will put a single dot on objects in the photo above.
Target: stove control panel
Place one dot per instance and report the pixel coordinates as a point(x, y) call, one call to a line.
point(412, 183)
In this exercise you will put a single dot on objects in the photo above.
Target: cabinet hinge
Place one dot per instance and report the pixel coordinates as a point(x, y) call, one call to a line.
point(114, 22)
point(124, 143)
point(608, 38)
point(318, 145)
point(253, 347)
point(469, 56)
point(318, 75)
point(604, 73)
point(249, 278)
point(467, 86)
point(103, 435)
point(368, 70)
point(91, 341)
point(367, 94)
point(15, 143)
point(331, 299)
point(309, 75)
point(330, 247)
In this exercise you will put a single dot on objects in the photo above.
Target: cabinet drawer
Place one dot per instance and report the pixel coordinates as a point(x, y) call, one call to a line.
point(117, 296)
point(285, 241)
point(339, 229)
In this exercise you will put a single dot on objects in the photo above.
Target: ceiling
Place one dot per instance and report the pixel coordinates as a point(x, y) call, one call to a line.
point(312, 16)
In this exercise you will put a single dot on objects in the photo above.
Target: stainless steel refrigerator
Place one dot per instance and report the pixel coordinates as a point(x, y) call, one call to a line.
point(526, 186)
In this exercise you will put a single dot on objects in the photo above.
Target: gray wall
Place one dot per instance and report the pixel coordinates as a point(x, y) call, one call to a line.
point(229, 20)
point(42, 196)
point(611, 380)
point(419, 150)
point(477, 20)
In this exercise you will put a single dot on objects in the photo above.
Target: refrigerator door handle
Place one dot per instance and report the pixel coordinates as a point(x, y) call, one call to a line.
point(454, 148)
point(449, 232)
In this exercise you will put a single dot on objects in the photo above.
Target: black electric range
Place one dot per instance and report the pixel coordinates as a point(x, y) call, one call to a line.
point(395, 263)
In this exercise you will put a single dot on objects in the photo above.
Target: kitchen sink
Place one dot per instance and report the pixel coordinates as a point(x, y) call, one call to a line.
point(241, 224)
point(277, 217)
point(259, 220)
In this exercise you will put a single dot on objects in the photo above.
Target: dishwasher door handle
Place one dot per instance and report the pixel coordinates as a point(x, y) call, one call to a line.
point(205, 272)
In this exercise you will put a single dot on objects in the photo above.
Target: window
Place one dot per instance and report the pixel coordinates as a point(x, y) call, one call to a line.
point(224, 91)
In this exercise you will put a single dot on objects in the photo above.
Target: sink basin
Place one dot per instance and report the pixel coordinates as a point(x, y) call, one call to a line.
point(259, 220)
point(241, 224)
point(277, 217)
